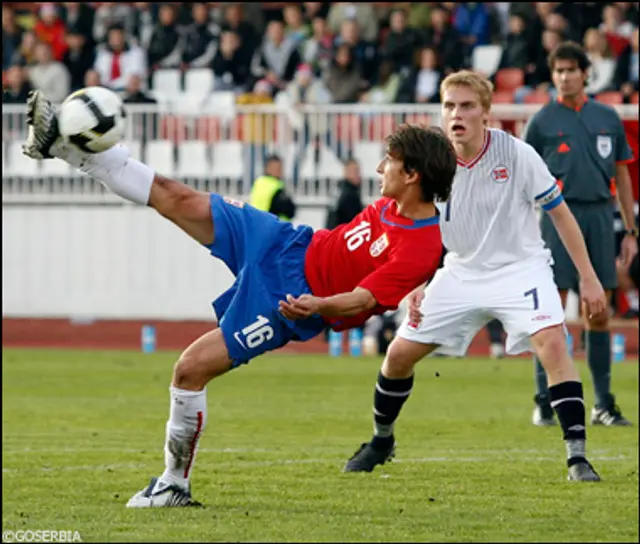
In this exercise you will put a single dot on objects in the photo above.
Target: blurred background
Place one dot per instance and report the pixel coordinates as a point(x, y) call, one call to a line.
point(219, 94)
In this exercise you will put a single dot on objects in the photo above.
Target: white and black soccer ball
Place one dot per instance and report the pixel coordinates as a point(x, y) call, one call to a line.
point(93, 119)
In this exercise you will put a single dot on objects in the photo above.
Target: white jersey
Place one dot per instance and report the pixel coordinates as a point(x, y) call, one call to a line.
point(490, 220)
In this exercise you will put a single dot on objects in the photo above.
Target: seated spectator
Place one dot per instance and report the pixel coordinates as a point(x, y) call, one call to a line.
point(81, 16)
point(401, 41)
point(277, 58)
point(317, 51)
point(92, 79)
point(111, 14)
point(133, 93)
point(249, 39)
point(79, 57)
point(230, 71)
point(471, 20)
point(164, 49)
point(364, 52)
point(199, 47)
point(615, 30)
point(515, 49)
point(18, 86)
point(445, 39)
point(428, 77)
point(362, 14)
point(343, 77)
point(625, 76)
point(556, 21)
point(50, 76)
point(296, 28)
point(419, 16)
point(386, 88)
point(539, 80)
point(11, 36)
point(602, 65)
point(306, 89)
point(25, 55)
point(118, 59)
point(50, 29)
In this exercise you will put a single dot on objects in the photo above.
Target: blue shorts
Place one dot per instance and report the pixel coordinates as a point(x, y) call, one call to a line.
point(267, 257)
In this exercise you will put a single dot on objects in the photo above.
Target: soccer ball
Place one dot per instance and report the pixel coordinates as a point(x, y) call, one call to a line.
point(93, 119)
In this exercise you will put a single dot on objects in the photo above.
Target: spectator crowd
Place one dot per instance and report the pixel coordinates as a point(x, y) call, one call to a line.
point(311, 52)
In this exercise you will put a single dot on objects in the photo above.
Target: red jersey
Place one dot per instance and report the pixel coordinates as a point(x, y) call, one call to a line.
point(379, 250)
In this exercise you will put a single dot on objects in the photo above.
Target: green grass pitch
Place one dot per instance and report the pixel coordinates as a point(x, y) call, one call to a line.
point(84, 430)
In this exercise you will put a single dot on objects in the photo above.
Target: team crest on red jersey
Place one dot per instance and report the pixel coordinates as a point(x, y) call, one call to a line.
point(500, 174)
point(379, 245)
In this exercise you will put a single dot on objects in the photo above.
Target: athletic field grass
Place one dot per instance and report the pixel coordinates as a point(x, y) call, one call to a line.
point(83, 431)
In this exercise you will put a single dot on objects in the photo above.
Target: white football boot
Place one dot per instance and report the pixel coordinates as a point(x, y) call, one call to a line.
point(159, 494)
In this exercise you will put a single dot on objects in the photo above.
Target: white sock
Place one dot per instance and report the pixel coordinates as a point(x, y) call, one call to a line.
point(632, 298)
point(187, 420)
point(121, 174)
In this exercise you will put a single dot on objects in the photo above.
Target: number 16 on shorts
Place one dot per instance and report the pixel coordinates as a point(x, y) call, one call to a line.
point(254, 335)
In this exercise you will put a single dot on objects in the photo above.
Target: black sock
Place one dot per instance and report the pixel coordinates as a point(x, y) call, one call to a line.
point(568, 402)
point(599, 358)
point(540, 375)
point(388, 399)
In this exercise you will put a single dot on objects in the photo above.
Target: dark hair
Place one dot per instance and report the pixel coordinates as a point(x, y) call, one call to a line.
point(427, 151)
point(569, 51)
point(272, 158)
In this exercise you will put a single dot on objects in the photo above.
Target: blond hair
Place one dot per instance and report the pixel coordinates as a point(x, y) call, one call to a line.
point(478, 83)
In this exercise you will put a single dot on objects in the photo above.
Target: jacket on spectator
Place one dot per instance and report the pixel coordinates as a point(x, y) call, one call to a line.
point(282, 60)
point(348, 206)
point(231, 72)
point(111, 14)
point(10, 43)
point(198, 46)
point(622, 73)
point(164, 50)
point(81, 17)
point(54, 36)
point(53, 79)
point(363, 13)
point(472, 19)
point(345, 85)
point(248, 38)
point(132, 61)
point(400, 48)
point(79, 62)
point(450, 47)
point(515, 52)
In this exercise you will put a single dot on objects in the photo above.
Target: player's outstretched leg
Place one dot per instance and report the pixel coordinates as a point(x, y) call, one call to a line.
point(567, 399)
point(395, 381)
point(202, 361)
point(188, 209)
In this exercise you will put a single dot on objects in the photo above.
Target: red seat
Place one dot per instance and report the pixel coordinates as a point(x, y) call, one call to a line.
point(634, 98)
point(610, 97)
point(503, 97)
point(509, 79)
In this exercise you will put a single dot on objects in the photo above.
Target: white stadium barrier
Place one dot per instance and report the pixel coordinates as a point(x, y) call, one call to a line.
point(71, 249)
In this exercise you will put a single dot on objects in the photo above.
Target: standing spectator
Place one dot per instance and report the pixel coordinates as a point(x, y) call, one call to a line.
point(471, 20)
point(92, 79)
point(79, 58)
point(602, 65)
point(401, 41)
point(364, 52)
point(230, 71)
point(343, 78)
point(11, 36)
point(268, 192)
point(317, 51)
point(50, 76)
point(111, 14)
point(18, 86)
point(584, 161)
point(199, 46)
point(625, 75)
point(118, 59)
point(297, 28)
point(233, 20)
point(277, 58)
point(81, 16)
point(515, 49)
point(349, 203)
point(445, 39)
point(362, 14)
point(164, 49)
point(50, 29)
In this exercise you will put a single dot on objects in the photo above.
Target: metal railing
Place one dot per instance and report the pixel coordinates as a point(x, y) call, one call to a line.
point(222, 148)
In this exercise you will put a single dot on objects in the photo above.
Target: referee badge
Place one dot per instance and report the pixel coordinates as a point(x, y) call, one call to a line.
point(604, 146)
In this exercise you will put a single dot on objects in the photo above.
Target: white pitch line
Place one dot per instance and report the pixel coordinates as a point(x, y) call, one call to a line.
point(284, 462)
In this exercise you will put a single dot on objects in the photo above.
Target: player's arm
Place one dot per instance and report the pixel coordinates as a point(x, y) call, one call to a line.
point(342, 305)
point(624, 193)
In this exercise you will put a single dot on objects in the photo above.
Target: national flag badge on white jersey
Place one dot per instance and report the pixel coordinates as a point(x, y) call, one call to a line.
point(500, 174)
point(379, 245)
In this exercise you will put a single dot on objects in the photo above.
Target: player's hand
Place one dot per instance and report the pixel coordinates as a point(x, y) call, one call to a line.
point(628, 250)
point(299, 308)
point(592, 294)
point(415, 301)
